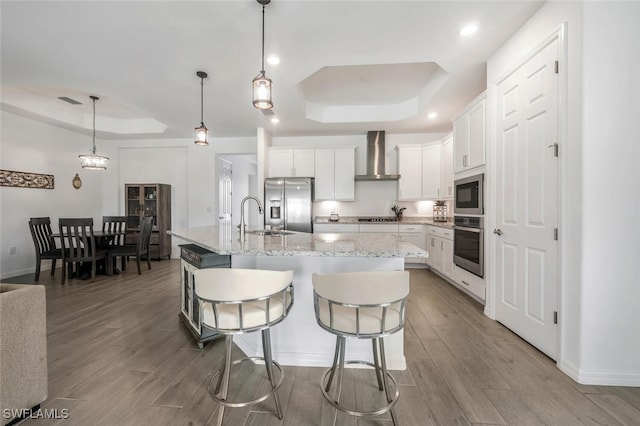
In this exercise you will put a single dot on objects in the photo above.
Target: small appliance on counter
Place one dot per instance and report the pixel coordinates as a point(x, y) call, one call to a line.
point(439, 211)
point(333, 217)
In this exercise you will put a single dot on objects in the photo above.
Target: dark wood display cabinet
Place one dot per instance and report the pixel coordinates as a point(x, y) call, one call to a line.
point(149, 199)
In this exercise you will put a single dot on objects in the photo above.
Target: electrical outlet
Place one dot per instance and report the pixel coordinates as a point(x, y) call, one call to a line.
point(12, 250)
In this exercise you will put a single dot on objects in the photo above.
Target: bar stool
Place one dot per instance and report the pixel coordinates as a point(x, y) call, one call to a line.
point(361, 305)
point(237, 301)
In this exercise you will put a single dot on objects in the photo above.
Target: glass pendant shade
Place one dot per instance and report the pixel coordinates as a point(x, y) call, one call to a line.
point(93, 161)
point(202, 135)
point(262, 92)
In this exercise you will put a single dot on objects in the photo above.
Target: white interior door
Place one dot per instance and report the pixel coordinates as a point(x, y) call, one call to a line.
point(526, 200)
point(224, 192)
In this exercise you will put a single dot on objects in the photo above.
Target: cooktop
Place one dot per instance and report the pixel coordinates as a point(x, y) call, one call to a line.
point(377, 219)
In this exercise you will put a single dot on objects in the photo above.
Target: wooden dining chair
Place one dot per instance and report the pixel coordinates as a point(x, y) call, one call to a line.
point(139, 250)
point(116, 225)
point(44, 243)
point(79, 244)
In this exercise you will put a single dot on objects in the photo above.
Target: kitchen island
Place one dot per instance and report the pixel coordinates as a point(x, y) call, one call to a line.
point(299, 340)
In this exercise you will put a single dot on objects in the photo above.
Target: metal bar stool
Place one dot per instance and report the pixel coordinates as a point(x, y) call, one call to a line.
point(237, 301)
point(362, 305)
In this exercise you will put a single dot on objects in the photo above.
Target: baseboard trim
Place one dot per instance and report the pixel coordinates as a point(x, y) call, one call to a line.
point(601, 377)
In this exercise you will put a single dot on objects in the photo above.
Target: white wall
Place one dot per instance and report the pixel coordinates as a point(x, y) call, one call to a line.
point(29, 146)
point(610, 279)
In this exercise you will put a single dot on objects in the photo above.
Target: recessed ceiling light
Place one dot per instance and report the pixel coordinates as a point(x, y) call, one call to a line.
point(275, 120)
point(468, 29)
point(273, 60)
point(432, 115)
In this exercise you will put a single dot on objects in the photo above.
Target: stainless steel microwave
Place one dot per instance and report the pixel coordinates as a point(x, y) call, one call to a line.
point(468, 198)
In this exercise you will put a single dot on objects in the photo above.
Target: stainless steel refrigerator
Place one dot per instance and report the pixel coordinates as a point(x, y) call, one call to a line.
point(289, 204)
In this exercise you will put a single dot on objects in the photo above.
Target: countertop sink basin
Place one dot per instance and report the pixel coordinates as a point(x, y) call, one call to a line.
point(263, 233)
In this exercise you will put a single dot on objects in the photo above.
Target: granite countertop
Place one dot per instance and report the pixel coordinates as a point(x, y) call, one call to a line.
point(226, 240)
point(406, 220)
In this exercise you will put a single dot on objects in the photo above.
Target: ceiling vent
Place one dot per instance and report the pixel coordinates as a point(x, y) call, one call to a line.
point(69, 100)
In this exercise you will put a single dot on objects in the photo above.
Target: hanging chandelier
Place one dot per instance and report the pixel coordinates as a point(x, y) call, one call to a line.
point(262, 84)
point(94, 161)
point(202, 133)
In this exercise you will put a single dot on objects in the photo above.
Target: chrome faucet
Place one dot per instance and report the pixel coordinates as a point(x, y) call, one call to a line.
point(242, 225)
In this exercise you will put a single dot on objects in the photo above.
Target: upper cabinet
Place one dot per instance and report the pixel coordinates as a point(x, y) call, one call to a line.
point(426, 171)
point(290, 162)
point(469, 134)
point(410, 170)
point(431, 162)
point(335, 171)
point(446, 167)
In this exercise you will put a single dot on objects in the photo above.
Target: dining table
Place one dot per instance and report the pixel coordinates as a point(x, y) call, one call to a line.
point(103, 239)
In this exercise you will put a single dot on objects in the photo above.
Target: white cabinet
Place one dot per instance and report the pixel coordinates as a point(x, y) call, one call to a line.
point(415, 235)
point(440, 248)
point(410, 170)
point(335, 174)
point(289, 162)
point(431, 165)
point(446, 167)
point(426, 171)
point(469, 135)
point(335, 228)
point(469, 282)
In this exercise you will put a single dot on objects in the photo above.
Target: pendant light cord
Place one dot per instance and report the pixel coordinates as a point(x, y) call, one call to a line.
point(202, 100)
point(262, 71)
point(94, 125)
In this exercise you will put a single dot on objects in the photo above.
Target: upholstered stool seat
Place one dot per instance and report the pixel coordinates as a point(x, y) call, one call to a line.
point(362, 305)
point(237, 301)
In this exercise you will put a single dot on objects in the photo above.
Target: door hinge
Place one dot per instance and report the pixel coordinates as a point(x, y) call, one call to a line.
point(557, 67)
point(555, 317)
point(555, 234)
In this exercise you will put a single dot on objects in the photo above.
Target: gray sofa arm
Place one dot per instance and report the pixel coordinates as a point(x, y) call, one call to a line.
point(23, 348)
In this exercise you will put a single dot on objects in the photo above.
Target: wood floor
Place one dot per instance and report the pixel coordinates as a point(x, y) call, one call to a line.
point(118, 355)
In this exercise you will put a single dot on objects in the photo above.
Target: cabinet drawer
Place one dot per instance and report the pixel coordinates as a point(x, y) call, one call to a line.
point(335, 227)
point(469, 282)
point(385, 227)
point(410, 228)
point(445, 233)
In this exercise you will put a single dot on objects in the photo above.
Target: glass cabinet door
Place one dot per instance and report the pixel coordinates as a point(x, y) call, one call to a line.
point(133, 207)
point(151, 203)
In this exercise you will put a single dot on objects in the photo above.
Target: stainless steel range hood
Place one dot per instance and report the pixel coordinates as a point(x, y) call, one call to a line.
point(376, 158)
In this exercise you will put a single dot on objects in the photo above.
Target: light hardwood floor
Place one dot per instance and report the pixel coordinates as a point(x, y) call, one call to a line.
point(118, 355)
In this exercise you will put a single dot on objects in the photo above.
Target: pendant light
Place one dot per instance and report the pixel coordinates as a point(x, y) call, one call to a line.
point(202, 133)
point(262, 84)
point(94, 161)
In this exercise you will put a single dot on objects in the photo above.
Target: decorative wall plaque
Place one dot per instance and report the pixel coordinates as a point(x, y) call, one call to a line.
point(77, 183)
point(25, 179)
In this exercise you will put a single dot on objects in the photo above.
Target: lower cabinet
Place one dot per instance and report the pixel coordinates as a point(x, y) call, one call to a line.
point(469, 282)
point(440, 248)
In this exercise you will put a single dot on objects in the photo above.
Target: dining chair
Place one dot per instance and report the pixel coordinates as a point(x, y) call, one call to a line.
point(117, 226)
point(44, 243)
point(139, 250)
point(79, 244)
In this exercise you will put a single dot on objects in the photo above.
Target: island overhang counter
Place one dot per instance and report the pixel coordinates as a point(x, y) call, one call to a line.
point(298, 340)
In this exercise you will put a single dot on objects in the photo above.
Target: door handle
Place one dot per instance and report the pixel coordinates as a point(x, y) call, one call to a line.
point(497, 231)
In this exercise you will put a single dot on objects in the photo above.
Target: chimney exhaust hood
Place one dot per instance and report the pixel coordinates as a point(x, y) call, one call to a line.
point(376, 158)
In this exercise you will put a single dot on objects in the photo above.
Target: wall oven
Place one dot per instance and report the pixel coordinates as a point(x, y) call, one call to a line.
point(468, 197)
point(468, 244)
